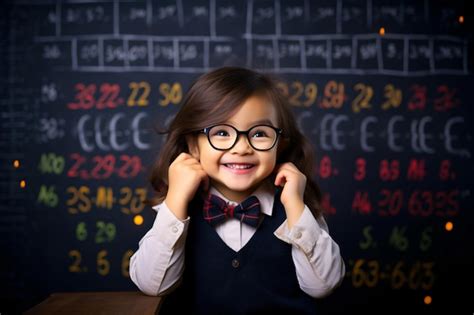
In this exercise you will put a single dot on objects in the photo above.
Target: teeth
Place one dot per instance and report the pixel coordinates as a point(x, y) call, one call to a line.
point(237, 166)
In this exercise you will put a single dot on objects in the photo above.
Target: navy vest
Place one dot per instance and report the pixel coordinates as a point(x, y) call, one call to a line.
point(258, 279)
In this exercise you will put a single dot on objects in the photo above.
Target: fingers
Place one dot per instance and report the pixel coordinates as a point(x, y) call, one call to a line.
point(280, 179)
point(287, 165)
point(281, 176)
point(186, 159)
point(182, 157)
point(284, 171)
point(196, 166)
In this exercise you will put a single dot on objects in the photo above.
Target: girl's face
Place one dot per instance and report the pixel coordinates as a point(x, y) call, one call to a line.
point(234, 184)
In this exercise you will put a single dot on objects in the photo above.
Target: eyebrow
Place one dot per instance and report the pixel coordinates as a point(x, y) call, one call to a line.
point(261, 121)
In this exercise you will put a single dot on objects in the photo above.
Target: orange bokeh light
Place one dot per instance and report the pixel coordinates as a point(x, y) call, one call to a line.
point(449, 226)
point(427, 300)
point(138, 220)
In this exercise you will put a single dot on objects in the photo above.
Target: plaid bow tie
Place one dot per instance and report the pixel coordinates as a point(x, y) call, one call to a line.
point(217, 210)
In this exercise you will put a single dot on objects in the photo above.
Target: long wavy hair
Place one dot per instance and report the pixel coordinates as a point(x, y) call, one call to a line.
point(213, 98)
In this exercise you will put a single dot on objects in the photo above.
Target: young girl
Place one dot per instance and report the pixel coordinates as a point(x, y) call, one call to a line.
point(239, 226)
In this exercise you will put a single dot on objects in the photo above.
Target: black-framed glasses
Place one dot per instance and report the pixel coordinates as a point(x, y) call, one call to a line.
point(223, 136)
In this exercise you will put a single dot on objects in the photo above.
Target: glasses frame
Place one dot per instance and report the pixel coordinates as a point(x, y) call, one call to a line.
point(206, 130)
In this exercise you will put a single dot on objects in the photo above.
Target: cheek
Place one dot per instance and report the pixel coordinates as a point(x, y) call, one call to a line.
point(210, 160)
point(270, 161)
point(206, 154)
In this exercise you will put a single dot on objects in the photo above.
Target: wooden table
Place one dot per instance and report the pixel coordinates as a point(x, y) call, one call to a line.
point(97, 303)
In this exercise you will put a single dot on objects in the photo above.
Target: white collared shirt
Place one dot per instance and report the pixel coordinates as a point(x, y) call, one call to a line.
point(158, 263)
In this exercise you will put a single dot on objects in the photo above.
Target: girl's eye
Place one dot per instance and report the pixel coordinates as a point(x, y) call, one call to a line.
point(220, 133)
point(259, 134)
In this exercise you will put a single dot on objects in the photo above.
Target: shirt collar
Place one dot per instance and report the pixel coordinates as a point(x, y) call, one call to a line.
point(265, 194)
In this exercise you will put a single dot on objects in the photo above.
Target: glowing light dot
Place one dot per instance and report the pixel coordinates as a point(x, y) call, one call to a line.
point(427, 300)
point(22, 183)
point(449, 226)
point(138, 220)
point(461, 19)
point(382, 31)
point(16, 164)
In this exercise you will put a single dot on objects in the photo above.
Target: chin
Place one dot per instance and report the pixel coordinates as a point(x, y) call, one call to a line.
point(250, 187)
point(241, 187)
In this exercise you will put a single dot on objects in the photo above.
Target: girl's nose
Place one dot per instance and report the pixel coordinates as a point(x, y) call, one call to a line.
point(242, 145)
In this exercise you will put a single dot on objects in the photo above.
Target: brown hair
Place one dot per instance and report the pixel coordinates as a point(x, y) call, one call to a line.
point(213, 98)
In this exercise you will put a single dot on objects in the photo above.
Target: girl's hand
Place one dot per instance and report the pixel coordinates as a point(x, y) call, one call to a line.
point(185, 175)
point(292, 196)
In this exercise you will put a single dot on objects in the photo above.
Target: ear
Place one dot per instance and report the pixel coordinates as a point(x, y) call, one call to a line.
point(193, 147)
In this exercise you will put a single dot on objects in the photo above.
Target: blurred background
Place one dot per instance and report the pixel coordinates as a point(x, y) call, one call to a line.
point(381, 88)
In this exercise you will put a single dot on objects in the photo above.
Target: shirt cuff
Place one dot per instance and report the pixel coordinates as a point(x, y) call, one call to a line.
point(168, 226)
point(303, 235)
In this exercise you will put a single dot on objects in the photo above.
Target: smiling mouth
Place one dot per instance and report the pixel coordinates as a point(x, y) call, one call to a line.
point(239, 166)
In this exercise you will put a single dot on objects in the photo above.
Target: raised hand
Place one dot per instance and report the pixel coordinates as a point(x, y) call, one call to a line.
point(292, 196)
point(185, 174)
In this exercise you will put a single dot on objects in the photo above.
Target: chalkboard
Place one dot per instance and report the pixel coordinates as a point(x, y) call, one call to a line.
point(381, 88)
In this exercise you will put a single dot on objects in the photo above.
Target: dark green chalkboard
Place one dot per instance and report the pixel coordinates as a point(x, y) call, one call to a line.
point(381, 89)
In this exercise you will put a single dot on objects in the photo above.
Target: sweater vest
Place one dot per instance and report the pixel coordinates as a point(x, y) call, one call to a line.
point(258, 279)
